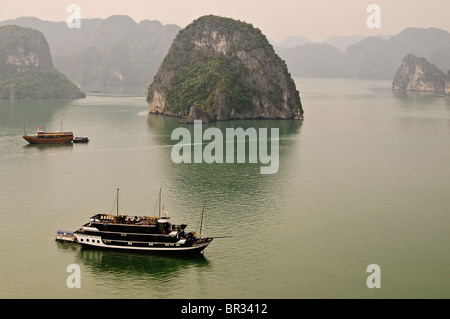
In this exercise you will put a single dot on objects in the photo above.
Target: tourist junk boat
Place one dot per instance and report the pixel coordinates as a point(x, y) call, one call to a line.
point(42, 137)
point(140, 234)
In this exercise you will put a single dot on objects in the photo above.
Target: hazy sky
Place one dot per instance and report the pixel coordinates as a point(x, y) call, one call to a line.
point(277, 19)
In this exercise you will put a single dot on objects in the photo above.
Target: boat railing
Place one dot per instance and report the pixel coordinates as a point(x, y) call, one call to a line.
point(125, 219)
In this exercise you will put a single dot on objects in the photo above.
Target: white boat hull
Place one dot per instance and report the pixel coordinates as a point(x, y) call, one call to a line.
point(98, 242)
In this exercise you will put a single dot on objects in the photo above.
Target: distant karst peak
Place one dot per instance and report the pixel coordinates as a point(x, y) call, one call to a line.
point(417, 74)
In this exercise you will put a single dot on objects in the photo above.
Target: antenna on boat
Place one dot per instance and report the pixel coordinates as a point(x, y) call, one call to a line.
point(24, 129)
point(117, 202)
point(160, 191)
point(201, 222)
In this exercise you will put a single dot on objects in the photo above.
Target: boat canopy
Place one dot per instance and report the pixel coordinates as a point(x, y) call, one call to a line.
point(65, 232)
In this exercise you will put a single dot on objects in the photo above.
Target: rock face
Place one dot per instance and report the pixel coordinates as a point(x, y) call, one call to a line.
point(26, 68)
point(115, 51)
point(220, 69)
point(417, 74)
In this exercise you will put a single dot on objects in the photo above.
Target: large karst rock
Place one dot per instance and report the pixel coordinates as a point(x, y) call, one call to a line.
point(26, 67)
point(417, 74)
point(219, 69)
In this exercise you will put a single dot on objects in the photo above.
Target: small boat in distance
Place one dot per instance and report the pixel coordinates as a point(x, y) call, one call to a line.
point(299, 115)
point(65, 236)
point(80, 140)
point(42, 137)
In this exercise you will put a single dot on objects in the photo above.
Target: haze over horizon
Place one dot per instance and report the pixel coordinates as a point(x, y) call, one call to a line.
point(278, 20)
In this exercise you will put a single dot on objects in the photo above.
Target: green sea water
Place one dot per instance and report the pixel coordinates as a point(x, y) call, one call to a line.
point(364, 179)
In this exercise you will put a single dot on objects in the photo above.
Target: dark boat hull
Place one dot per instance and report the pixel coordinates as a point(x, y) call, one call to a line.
point(194, 249)
point(80, 140)
point(66, 239)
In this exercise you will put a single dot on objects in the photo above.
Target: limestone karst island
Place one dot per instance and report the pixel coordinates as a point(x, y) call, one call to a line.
point(417, 74)
point(219, 69)
point(26, 67)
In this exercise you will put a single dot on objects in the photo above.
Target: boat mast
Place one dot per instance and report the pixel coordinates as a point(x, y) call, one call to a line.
point(117, 202)
point(160, 202)
point(201, 222)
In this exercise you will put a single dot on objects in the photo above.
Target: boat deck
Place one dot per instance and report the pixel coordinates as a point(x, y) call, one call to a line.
point(125, 219)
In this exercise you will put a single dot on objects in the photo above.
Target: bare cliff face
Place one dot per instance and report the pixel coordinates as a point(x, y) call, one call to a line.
point(26, 68)
point(23, 50)
point(417, 74)
point(219, 69)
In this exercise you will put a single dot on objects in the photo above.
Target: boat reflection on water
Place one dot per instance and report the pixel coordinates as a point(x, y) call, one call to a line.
point(119, 262)
point(45, 147)
point(114, 265)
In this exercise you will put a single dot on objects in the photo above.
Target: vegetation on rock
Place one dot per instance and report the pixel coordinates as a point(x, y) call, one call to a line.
point(26, 68)
point(219, 68)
